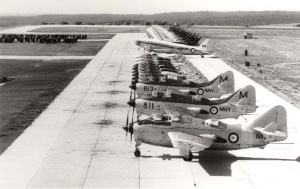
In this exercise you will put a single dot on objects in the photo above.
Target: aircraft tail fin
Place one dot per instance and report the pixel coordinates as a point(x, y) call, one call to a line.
point(225, 82)
point(272, 123)
point(203, 45)
point(245, 99)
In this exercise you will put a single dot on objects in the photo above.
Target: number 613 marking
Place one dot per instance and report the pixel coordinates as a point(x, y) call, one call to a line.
point(148, 88)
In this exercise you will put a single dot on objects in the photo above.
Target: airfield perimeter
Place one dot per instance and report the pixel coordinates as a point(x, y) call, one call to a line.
point(78, 141)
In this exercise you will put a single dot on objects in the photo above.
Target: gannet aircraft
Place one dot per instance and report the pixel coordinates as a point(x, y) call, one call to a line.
point(243, 101)
point(222, 84)
point(172, 48)
point(190, 134)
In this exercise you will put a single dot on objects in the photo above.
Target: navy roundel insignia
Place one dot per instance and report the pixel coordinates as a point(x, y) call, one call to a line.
point(200, 91)
point(193, 50)
point(233, 138)
point(213, 110)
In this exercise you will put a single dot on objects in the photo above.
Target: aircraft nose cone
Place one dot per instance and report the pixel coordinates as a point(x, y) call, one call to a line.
point(131, 103)
point(126, 128)
point(132, 86)
point(129, 128)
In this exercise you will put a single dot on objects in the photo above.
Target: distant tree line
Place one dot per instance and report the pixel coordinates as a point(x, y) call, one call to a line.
point(118, 22)
point(239, 18)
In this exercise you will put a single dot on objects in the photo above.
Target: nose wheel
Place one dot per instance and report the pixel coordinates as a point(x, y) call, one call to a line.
point(188, 157)
point(137, 151)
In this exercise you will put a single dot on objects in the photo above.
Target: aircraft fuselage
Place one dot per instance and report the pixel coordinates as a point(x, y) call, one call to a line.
point(169, 47)
point(233, 138)
point(149, 107)
point(145, 90)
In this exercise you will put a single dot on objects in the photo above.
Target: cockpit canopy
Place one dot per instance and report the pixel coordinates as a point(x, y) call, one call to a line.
point(160, 119)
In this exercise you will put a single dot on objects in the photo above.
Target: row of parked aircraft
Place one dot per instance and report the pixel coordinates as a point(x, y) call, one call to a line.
point(158, 46)
point(177, 107)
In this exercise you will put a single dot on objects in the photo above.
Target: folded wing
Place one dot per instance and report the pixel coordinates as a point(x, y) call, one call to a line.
point(184, 141)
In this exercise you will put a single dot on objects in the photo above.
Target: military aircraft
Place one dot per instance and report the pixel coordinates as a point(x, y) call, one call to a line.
point(222, 84)
point(241, 102)
point(159, 46)
point(143, 72)
point(149, 68)
point(151, 65)
point(190, 134)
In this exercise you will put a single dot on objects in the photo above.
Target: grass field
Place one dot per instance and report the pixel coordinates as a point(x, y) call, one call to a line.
point(215, 32)
point(100, 36)
point(112, 29)
point(6, 28)
point(37, 83)
point(277, 51)
point(80, 48)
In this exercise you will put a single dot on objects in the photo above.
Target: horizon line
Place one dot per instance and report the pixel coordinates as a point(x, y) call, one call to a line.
point(40, 14)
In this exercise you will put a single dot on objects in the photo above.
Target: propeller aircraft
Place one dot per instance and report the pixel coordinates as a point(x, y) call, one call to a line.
point(191, 135)
point(222, 84)
point(160, 46)
point(241, 102)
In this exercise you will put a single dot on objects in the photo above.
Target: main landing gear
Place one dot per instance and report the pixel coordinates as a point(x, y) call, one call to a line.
point(188, 157)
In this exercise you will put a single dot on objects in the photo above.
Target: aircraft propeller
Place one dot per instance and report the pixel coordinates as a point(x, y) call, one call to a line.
point(126, 127)
point(130, 95)
point(129, 127)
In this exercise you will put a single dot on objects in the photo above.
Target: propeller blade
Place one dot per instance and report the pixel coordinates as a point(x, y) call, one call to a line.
point(130, 128)
point(132, 115)
point(127, 120)
point(130, 95)
point(126, 127)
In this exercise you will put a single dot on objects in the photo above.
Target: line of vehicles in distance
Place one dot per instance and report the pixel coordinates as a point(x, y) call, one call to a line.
point(177, 107)
point(41, 38)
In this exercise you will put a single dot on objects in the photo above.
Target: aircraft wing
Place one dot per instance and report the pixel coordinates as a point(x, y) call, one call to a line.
point(184, 141)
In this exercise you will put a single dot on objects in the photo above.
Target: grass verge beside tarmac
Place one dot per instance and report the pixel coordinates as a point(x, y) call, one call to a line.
point(100, 29)
point(273, 54)
point(35, 86)
point(84, 48)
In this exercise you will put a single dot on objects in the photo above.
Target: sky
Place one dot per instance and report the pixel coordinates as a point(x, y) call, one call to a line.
point(34, 7)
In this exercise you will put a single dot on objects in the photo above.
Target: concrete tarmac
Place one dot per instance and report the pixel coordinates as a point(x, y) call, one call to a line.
point(78, 141)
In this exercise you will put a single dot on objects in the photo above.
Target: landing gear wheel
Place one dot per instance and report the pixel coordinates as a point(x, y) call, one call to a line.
point(137, 153)
point(188, 157)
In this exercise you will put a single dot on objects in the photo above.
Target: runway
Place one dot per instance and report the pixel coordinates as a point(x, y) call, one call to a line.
point(78, 141)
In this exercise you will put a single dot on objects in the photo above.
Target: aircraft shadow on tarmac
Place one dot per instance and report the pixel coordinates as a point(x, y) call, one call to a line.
point(218, 163)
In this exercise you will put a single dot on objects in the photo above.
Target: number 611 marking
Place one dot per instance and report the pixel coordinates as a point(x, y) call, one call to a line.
point(149, 105)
